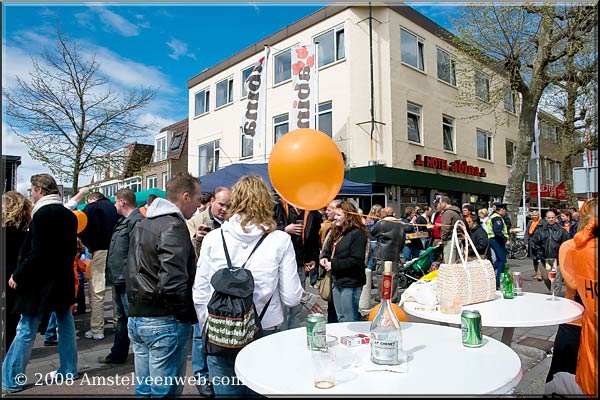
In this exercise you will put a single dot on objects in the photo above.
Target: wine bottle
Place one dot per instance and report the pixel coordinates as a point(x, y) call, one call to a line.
point(386, 334)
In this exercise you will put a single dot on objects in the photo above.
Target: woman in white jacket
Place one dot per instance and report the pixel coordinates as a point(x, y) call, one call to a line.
point(273, 266)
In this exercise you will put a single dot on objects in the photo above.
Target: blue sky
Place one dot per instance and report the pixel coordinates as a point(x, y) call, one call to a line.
point(161, 44)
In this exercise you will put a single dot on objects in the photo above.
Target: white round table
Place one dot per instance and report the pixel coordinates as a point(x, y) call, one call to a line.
point(528, 310)
point(438, 364)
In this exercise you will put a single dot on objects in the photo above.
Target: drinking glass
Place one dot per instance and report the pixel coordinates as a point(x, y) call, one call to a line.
point(551, 269)
point(323, 367)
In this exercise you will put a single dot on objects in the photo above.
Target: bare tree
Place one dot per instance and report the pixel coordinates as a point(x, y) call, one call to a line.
point(69, 116)
point(523, 41)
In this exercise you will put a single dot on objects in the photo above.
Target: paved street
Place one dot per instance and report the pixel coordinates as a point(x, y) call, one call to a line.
point(532, 345)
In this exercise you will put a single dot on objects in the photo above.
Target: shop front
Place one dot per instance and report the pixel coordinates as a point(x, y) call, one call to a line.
point(550, 196)
point(408, 188)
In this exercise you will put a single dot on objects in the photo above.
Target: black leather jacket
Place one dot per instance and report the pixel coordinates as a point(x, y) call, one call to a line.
point(116, 259)
point(546, 241)
point(390, 239)
point(161, 265)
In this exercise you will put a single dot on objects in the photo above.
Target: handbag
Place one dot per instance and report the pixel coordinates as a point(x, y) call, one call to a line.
point(472, 281)
point(324, 286)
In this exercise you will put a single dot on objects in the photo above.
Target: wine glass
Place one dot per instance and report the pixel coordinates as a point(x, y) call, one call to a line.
point(552, 276)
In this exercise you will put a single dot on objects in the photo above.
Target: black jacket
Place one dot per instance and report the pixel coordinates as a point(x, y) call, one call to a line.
point(480, 239)
point(390, 240)
point(102, 218)
point(116, 260)
point(309, 250)
point(13, 240)
point(44, 274)
point(161, 265)
point(348, 263)
point(546, 241)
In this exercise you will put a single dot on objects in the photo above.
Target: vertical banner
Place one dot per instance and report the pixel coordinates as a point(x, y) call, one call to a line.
point(535, 147)
point(304, 87)
point(254, 122)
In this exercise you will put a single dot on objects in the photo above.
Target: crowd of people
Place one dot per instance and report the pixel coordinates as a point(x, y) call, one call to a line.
point(164, 259)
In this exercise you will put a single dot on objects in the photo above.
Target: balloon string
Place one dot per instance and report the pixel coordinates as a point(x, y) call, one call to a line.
point(397, 220)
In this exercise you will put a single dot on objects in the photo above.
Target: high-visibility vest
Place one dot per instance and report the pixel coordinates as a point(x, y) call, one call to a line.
point(490, 230)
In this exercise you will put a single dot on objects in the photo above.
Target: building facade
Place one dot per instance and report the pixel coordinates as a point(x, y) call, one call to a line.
point(122, 169)
point(9, 172)
point(422, 141)
point(170, 156)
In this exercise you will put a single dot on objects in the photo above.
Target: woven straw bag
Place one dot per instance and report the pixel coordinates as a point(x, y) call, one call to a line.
point(472, 281)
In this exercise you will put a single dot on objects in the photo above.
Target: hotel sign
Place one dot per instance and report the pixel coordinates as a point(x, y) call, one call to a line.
point(457, 166)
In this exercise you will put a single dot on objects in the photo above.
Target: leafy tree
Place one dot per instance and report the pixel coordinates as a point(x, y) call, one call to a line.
point(523, 42)
point(69, 116)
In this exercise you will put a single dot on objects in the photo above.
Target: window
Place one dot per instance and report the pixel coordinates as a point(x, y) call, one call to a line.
point(151, 182)
point(247, 145)
point(484, 144)
point(547, 171)
point(557, 174)
point(133, 183)
point(509, 101)
point(482, 86)
point(280, 126)
point(446, 67)
point(510, 152)
point(325, 118)
point(412, 49)
point(245, 75)
point(202, 100)
point(532, 170)
point(283, 66)
point(224, 92)
point(160, 148)
point(414, 123)
point(331, 46)
point(208, 156)
point(165, 180)
point(448, 130)
point(552, 136)
point(176, 142)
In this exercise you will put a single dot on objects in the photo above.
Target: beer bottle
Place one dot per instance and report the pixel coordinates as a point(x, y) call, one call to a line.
point(507, 283)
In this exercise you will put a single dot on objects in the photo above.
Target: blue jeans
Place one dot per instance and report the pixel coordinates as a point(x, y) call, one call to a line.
point(159, 346)
point(19, 352)
point(345, 301)
point(120, 349)
point(51, 329)
point(410, 252)
point(292, 315)
point(199, 364)
point(222, 373)
point(500, 251)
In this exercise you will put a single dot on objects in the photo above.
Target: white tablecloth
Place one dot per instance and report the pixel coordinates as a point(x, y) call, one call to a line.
point(438, 364)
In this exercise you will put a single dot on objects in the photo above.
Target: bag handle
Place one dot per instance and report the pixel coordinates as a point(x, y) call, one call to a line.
point(455, 242)
point(252, 252)
point(264, 310)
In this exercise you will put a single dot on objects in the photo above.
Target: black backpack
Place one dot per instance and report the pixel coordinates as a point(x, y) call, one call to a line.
point(232, 321)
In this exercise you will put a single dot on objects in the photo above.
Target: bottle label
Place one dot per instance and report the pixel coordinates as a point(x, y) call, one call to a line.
point(385, 351)
point(386, 287)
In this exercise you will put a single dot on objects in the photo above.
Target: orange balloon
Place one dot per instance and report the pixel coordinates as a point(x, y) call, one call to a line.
point(397, 310)
point(82, 220)
point(306, 168)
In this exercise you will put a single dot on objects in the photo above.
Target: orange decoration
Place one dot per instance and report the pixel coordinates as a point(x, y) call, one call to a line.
point(82, 220)
point(397, 310)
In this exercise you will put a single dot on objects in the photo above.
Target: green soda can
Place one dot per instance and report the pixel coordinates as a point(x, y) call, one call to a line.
point(470, 322)
point(315, 331)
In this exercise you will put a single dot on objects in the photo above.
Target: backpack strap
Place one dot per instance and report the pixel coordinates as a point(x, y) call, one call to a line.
point(252, 252)
point(262, 314)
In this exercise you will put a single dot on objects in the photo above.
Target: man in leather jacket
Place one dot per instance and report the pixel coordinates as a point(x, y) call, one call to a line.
point(546, 241)
point(160, 273)
point(390, 236)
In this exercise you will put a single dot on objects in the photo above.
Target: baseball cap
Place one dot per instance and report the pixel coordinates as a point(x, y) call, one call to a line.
point(502, 205)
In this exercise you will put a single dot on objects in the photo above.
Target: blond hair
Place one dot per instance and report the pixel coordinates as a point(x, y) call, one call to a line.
point(16, 210)
point(483, 212)
point(254, 202)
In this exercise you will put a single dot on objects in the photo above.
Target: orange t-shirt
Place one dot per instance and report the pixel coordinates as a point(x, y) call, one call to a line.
point(581, 263)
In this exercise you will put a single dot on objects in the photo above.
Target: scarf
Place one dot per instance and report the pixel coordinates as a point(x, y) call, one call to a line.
point(534, 224)
point(46, 201)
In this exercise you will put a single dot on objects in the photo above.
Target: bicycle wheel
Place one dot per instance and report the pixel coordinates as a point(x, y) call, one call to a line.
point(520, 251)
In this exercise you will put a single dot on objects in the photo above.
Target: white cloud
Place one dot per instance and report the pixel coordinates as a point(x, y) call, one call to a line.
point(86, 20)
point(179, 48)
point(115, 22)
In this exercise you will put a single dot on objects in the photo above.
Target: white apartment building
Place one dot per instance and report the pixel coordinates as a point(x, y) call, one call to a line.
point(424, 142)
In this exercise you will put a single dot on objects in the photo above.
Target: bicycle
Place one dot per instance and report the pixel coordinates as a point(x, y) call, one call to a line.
point(517, 247)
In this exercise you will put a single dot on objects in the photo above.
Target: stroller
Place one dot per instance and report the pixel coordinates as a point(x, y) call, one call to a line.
point(418, 267)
